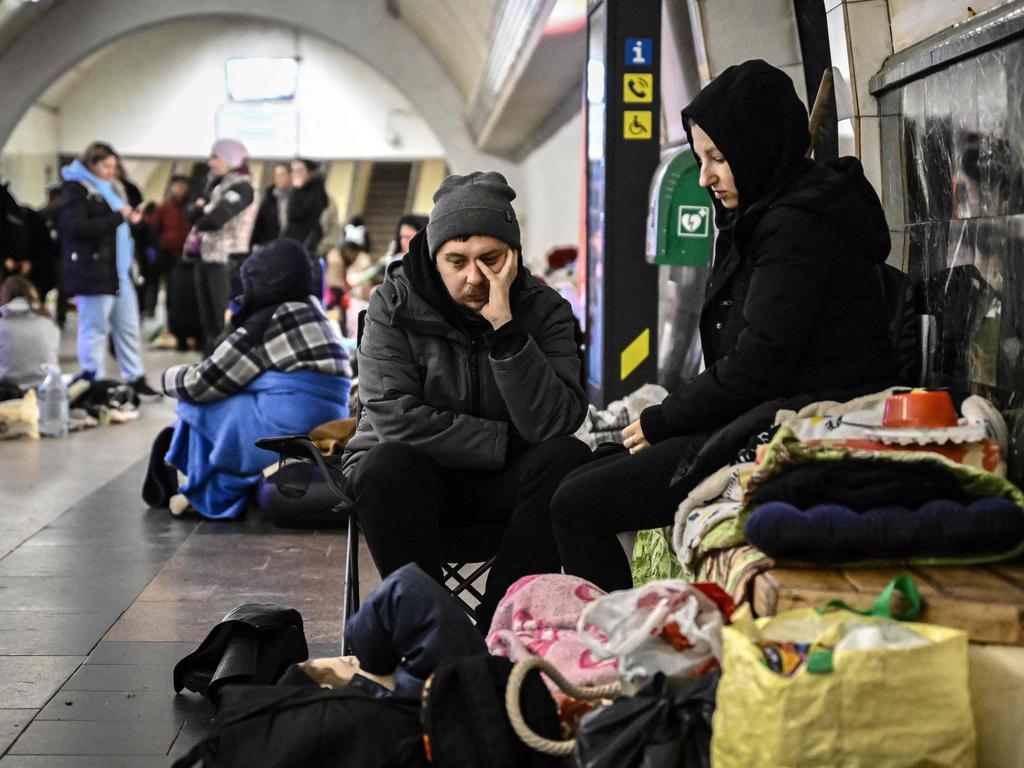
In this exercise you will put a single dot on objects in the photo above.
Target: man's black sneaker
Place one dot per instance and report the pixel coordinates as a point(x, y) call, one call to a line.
point(145, 392)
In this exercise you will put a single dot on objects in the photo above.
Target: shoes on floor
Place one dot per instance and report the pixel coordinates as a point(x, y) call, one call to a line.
point(145, 392)
point(180, 506)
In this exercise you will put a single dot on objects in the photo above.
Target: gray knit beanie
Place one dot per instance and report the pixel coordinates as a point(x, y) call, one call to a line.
point(479, 203)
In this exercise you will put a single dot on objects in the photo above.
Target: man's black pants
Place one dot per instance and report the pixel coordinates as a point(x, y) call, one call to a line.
point(405, 502)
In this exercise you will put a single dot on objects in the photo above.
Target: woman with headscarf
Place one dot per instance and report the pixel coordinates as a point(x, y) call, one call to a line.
point(97, 253)
point(794, 313)
point(281, 371)
point(224, 218)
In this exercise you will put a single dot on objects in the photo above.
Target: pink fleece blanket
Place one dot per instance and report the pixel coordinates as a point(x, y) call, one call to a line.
point(538, 616)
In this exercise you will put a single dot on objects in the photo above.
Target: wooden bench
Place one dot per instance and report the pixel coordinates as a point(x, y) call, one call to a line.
point(985, 601)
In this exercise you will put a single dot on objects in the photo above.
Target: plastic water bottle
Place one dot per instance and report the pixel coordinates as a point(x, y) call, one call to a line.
point(53, 405)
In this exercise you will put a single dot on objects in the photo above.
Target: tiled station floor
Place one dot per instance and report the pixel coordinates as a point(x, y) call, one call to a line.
point(99, 597)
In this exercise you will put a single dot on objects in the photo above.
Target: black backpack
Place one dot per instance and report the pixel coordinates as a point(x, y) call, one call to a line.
point(465, 722)
point(308, 726)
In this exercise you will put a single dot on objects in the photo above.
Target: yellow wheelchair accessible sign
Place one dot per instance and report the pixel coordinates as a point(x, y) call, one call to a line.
point(636, 124)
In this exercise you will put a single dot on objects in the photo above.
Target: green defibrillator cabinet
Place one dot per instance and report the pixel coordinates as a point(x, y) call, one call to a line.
point(680, 220)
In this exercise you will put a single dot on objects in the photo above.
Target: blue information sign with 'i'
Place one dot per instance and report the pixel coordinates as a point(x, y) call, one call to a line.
point(639, 51)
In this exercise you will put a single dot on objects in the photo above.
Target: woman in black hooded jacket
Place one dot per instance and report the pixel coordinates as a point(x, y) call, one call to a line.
point(794, 312)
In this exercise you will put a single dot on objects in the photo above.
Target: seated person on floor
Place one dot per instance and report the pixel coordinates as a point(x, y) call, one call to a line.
point(282, 370)
point(794, 313)
point(469, 376)
point(29, 339)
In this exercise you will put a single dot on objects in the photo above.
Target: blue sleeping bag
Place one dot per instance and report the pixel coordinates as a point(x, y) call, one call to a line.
point(833, 533)
point(214, 443)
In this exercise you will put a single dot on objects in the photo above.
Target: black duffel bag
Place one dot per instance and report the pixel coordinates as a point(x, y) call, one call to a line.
point(308, 726)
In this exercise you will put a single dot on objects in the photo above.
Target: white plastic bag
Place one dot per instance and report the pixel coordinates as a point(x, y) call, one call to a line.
point(667, 626)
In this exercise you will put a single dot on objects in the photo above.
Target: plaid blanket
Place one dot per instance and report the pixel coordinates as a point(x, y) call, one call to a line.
point(299, 337)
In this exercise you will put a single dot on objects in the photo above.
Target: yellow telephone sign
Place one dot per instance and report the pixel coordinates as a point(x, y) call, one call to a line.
point(638, 88)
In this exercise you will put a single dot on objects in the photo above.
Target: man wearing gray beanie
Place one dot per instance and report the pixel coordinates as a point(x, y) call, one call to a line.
point(470, 380)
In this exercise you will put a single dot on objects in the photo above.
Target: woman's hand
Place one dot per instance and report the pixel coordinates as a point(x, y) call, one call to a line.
point(633, 437)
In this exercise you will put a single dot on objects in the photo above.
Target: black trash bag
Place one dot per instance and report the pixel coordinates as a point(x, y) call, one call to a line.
point(308, 726)
point(656, 728)
point(254, 644)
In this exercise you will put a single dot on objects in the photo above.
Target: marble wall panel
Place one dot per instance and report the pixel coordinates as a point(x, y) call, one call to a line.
point(965, 202)
point(952, 149)
point(938, 143)
point(913, 152)
point(1011, 289)
point(995, 151)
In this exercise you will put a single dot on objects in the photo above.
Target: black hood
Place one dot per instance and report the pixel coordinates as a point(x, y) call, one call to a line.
point(841, 193)
point(758, 123)
point(275, 273)
point(422, 274)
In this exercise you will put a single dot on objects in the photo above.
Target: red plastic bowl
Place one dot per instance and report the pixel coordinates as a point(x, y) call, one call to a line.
point(920, 409)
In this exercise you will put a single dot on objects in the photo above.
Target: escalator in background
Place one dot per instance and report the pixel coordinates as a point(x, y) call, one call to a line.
point(386, 200)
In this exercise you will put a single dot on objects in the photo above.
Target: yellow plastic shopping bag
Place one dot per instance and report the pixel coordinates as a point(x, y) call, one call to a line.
point(879, 708)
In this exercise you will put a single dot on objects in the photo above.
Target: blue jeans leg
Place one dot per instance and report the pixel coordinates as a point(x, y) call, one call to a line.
point(93, 329)
point(124, 325)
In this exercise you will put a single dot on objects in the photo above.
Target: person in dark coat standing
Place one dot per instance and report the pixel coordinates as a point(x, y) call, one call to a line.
point(273, 211)
point(469, 376)
point(97, 252)
point(306, 203)
point(794, 311)
point(171, 226)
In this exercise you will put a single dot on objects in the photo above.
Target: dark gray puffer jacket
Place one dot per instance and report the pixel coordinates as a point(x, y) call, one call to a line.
point(424, 381)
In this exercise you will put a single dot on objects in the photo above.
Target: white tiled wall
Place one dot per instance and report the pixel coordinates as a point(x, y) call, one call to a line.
point(860, 41)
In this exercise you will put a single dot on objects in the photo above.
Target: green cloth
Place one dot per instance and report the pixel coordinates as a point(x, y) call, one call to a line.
point(653, 557)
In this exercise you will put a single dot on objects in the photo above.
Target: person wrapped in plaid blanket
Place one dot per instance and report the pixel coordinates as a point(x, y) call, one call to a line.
point(281, 370)
point(279, 326)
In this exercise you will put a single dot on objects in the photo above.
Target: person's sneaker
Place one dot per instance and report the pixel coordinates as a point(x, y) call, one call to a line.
point(145, 392)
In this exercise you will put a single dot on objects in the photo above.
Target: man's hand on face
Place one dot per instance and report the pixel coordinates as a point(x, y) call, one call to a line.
point(497, 311)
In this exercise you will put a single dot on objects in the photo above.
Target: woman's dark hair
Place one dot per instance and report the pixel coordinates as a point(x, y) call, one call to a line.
point(96, 152)
point(413, 220)
point(18, 287)
point(311, 165)
point(179, 177)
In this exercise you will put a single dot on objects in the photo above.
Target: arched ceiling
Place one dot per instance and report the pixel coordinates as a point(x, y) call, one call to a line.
point(458, 32)
point(423, 46)
point(56, 36)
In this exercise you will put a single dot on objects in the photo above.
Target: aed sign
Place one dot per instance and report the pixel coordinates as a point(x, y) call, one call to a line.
point(638, 88)
point(693, 220)
point(639, 52)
